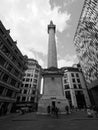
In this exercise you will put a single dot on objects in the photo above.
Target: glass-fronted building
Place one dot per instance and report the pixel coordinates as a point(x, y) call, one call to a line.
point(86, 43)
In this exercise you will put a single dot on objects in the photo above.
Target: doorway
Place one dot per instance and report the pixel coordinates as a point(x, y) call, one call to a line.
point(80, 99)
point(53, 104)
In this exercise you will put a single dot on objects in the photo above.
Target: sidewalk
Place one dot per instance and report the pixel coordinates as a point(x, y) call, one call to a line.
point(10, 115)
point(78, 115)
point(31, 121)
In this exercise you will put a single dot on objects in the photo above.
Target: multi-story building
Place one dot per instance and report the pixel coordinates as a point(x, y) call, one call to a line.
point(75, 88)
point(30, 88)
point(12, 66)
point(86, 43)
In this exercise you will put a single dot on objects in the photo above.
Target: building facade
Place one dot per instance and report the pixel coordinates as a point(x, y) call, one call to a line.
point(30, 88)
point(74, 87)
point(12, 66)
point(86, 43)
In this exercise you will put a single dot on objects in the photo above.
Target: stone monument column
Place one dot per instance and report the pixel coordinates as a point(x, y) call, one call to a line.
point(53, 93)
point(52, 53)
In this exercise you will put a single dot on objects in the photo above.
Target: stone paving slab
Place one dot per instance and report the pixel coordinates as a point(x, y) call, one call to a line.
point(31, 121)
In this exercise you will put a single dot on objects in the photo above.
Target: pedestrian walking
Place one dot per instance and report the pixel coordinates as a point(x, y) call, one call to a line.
point(48, 110)
point(95, 109)
point(56, 111)
point(89, 112)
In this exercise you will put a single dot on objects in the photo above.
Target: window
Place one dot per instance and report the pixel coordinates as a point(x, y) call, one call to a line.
point(1, 43)
point(36, 71)
point(1, 90)
point(73, 80)
point(72, 74)
point(9, 93)
point(25, 91)
point(18, 98)
point(75, 86)
point(26, 85)
point(23, 98)
point(16, 51)
point(2, 61)
point(8, 41)
point(22, 85)
point(65, 80)
point(27, 79)
point(16, 73)
point(34, 86)
point(1, 73)
point(77, 75)
point(28, 75)
point(18, 85)
point(79, 85)
point(19, 65)
point(68, 95)
point(65, 75)
point(78, 80)
point(1, 31)
point(23, 79)
point(35, 80)
point(66, 86)
point(13, 59)
point(5, 78)
point(33, 91)
point(36, 75)
point(32, 99)
point(5, 50)
point(13, 82)
point(9, 67)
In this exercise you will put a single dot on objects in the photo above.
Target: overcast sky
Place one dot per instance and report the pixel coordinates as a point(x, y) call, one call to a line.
point(28, 20)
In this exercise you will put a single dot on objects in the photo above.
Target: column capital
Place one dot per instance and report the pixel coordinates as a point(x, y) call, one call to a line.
point(51, 26)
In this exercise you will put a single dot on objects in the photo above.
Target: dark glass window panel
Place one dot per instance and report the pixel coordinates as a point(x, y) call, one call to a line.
point(79, 85)
point(5, 78)
point(66, 86)
point(1, 31)
point(73, 80)
point(25, 91)
point(68, 95)
point(32, 99)
point(77, 75)
point(9, 93)
point(8, 41)
point(9, 67)
point(1, 90)
point(2, 61)
point(5, 50)
point(13, 82)
point(72, 74)
point(78, 80)
point(75, 86)
point(26, 85)
point(23, 98)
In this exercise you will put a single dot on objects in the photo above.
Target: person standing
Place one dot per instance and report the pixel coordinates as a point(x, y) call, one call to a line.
point(56, 111)
point(48, 110)
point(89, 112)
point(67, 109)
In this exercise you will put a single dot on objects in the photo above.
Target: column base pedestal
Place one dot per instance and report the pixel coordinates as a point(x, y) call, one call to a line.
point(59, 102)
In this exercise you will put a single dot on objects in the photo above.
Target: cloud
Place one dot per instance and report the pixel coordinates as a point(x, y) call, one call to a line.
point(28, 22)
point(68, 60)
point(62, 3)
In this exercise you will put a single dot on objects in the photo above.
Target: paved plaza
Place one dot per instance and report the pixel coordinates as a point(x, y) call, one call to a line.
point(31, 121)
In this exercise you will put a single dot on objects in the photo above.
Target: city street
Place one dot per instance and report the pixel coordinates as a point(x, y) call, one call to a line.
point(31, 121)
